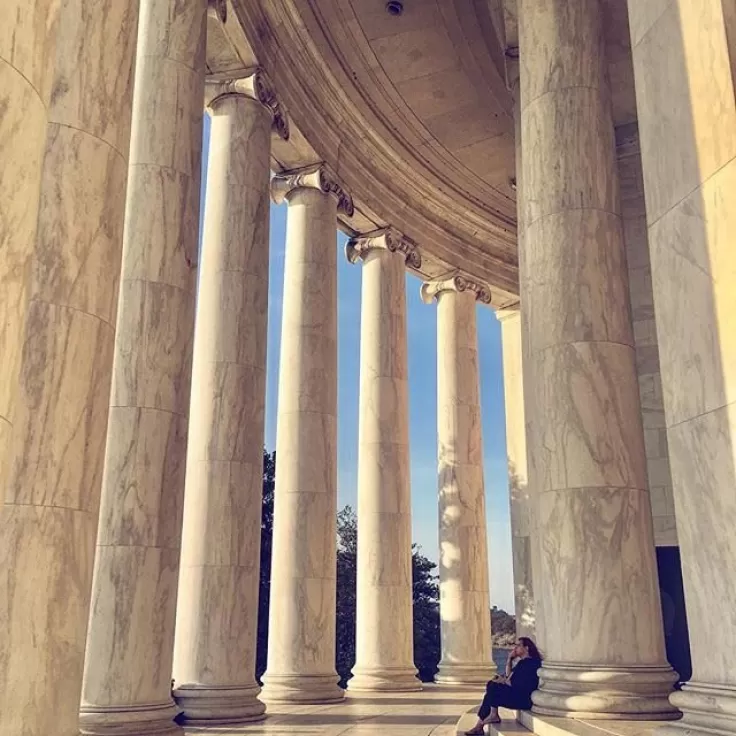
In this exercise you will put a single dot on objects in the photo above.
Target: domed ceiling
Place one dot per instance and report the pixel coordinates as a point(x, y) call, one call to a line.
point(412, 112)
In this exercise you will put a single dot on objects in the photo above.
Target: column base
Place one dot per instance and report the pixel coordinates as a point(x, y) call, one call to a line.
point(149, 719)
point(465, 674)
point(214, 706)
point(301, 689)
point(384, 679)
point(605, 692)
point(706, 709)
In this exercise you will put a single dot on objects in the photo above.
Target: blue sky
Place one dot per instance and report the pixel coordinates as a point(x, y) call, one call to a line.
point(422, 344)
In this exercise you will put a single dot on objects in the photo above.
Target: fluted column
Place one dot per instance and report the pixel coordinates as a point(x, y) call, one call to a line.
point(522, 522)
point(301, 634)
point(602, 618)
point(464, 589)
point(384, 651)
point(56, 447)
point(684, 71)
point(217, 605)
point(127, 680)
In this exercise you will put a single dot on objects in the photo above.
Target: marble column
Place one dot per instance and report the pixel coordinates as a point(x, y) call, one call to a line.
point(684, 73)
point(384, 644)
point(26, 76)
point(522, 533)
point(217, 605)
point(301, 636)
point(603, 628)
point(127, 678)
point(467, 656)
point(49, 519)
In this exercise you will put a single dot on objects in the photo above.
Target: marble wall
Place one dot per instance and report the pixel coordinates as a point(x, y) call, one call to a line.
point(49, 521)
point(684, 60)
point(633, 219)
point(27, 42)
point(127, 682)
point(598, 571)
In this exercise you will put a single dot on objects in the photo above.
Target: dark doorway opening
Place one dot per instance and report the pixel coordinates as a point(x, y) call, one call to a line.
point(674, 615)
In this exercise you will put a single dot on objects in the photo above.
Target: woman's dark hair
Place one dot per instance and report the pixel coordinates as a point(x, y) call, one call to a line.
point(532, 647)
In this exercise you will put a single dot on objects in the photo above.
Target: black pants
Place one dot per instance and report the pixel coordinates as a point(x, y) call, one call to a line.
point(503, 696)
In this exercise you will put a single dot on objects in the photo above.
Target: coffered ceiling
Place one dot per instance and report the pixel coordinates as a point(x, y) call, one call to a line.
point(411, 111)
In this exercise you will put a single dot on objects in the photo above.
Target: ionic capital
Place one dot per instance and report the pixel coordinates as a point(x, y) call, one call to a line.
point(254, 85)
point(431, 290)
point(317, 177)
point(389, 240)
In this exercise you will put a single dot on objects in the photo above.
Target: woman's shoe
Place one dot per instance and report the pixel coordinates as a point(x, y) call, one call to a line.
point(475, 731)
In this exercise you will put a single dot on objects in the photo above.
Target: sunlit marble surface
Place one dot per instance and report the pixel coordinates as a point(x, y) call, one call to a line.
point(384, 650)
point(127, 685)
point(432, 712)
point(463, 563)
point(684, 73)
point(522, 516)
point(301, 643)
point(217, 605)
point(598, 576)
point(49, 522)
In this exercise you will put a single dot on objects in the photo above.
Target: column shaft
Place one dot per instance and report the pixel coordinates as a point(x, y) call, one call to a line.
point(26, 75)
point(301, 644)
point(464, 590)
point(127, 681)
point(603, 629)
point(522, 522)
point(684, 72)
point(217, 604)
point(49, 520)
point(384, 652)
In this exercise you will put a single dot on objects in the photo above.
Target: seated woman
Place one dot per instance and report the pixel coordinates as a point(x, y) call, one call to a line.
point(515, 689)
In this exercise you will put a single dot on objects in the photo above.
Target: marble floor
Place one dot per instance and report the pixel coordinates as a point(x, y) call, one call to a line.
point(433, 712)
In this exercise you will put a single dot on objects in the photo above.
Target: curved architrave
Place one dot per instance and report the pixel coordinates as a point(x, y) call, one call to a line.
point(425, 192)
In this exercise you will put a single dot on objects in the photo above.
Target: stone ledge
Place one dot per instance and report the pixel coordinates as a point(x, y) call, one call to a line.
point(508, 726)
point(550, 726)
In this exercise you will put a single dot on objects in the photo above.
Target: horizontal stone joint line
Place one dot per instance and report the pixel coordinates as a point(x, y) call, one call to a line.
point(136, 279)
point(30, 84)
point(77, 310)
point(695, 417)
point(166, 57)
point(565, 210)
point(287, 575)
point(239, 364)
point(158, 409)
point(91, 135)
point(698, 186)
point(584, 489)
point(318, 494)
point(583, 342)
point(214, 566)
point(559, 89)
point(299, 412)
point(162, 167)
point(168, 548)
point(71, 509)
